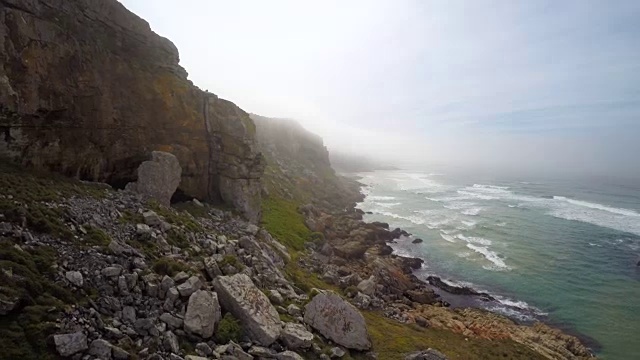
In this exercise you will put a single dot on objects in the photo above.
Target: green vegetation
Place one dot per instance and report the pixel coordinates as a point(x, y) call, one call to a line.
point(393, 340)
point(181, 218)
point(231, 260)
point(229, 329)
point(30, 194)
point(281, 218)
point(193, 209)
point(175, 237)
point(168, 266)
point(96, 237)
point(129, 217)
point(28, 275)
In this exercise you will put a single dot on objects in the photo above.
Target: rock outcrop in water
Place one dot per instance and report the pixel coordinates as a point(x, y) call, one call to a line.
point(88, 90)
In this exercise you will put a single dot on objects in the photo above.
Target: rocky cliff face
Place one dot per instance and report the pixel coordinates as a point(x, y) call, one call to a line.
point(87, 89)
point(299, 168)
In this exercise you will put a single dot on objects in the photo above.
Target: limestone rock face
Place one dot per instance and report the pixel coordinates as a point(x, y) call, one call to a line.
point(89, 90)
point(239, 296)
point(337, 320)
point(158, 178)
point(203, 313)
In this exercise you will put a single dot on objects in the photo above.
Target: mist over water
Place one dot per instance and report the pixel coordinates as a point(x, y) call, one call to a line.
point(561, 250)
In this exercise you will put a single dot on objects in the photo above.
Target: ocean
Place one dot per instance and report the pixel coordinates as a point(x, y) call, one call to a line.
point(563, 251)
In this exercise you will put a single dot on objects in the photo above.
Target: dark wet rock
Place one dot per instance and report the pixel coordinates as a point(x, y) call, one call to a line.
point(458, 290)
point(416, 241)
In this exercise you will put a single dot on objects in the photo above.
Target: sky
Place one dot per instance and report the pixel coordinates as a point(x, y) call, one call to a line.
point(547, 86)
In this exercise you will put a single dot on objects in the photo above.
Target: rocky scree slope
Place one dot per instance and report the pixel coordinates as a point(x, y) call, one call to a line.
point(92, 273)
point(88, 90)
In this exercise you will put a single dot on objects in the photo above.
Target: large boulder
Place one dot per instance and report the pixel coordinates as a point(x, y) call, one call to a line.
point(203, 313)
point(337, 320)
point(158, 178)
point(69, 344)
point(239, 296)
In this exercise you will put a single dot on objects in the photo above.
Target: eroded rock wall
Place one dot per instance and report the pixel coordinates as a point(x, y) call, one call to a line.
point(87, 89)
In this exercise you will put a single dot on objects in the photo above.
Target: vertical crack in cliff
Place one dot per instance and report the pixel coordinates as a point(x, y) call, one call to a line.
point(207, 126)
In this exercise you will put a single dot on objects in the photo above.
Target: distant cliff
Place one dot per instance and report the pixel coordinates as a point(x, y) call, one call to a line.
point(88, 90)
point(298, 164)
point(347, 163)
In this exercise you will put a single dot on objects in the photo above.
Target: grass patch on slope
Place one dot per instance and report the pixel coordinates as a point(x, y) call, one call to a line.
point(28, 276)
point(393, 341)
point(281, 218)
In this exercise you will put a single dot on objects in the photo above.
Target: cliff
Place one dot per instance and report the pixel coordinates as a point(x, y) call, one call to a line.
point(88, 90)
point(298, 167)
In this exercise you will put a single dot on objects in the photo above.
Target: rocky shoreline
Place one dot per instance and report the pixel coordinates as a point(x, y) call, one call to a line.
point(356, 256)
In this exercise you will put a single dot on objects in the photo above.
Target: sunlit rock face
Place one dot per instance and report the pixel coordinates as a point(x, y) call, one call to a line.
point(88, 90)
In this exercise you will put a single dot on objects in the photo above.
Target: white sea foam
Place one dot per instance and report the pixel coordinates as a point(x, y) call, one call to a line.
point(472, 211)
point(625, 212)
point(469, 223)
point(387, 205)
point(381, 198)
point(449, 238)
point(477, 195)
point(474, 240)
point(492, 256)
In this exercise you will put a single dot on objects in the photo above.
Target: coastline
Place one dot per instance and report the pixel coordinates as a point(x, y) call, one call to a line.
point(456, 298)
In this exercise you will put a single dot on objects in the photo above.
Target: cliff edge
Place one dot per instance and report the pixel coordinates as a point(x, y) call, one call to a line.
point(89, 90)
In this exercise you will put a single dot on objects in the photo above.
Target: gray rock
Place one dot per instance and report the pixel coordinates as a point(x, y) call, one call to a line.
point(422, 321)
point(158, 178)
point(75, 277)
point(288, 355)
point(203, 349)
point(119, 353)
point(212, 268)
point(166, 284)
point(112, 271)
point(69, 344)
point(171, 342)
point(193, 357)
point(101, 349)
point(151, 218)
point(337, 320)
point(261, 352)
point(296, 336)
point(203, 313)
point(142, 326)
point(246, 302)
point(143, 229)
point(336, 353)
point(361, 301)
point(190, 286)
point(171, 320)
point(128, 314)
point(368, 287)
point(275, 297)
point(429, 354)
point(294, 310)
point(180, 277)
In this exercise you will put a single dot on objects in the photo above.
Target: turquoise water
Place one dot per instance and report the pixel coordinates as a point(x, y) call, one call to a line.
point(561, 250)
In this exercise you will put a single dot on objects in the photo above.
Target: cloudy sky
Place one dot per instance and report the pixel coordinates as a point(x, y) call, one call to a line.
point(545, 85)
